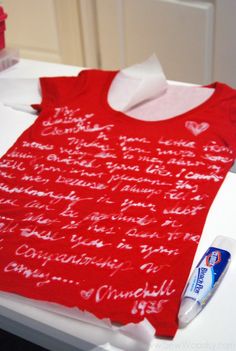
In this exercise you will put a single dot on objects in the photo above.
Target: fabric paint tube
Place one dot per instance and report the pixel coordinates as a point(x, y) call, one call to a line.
point(205, 278)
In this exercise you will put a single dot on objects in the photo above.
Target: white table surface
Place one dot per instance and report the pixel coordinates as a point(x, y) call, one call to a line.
point(214, 329)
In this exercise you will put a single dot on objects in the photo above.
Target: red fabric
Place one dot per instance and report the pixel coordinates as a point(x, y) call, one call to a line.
point(104, 212)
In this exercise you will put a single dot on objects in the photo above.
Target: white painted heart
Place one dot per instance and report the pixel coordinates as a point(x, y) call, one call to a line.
point(196, 128)
point(86, 294)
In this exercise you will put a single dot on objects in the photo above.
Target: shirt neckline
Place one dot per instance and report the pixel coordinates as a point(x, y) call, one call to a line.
point(124, 117)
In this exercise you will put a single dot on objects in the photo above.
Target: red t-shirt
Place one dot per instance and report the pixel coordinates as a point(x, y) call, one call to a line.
point(104, 212)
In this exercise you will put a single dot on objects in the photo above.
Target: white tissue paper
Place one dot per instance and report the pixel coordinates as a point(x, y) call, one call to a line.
point(83, 325)
point(12, 124)
point(106, 347)
point(138, 83)
point(20, 93)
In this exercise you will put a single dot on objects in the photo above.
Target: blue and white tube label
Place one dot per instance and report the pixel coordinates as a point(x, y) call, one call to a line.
point(206, 275)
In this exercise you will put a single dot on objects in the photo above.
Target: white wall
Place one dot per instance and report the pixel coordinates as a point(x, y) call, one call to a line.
point(114, 33)
point(225, 42)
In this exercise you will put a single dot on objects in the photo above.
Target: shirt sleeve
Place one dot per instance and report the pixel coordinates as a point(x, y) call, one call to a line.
point(59, 91)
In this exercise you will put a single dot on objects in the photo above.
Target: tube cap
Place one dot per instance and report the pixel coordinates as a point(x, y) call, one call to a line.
point(188, 311)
